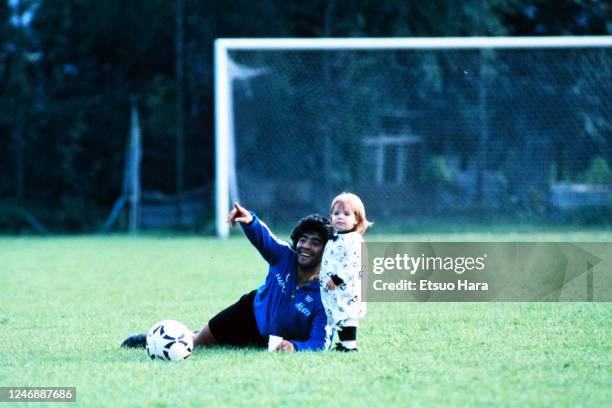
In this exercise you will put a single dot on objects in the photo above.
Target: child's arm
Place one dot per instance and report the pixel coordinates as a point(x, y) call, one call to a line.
point(330, 283)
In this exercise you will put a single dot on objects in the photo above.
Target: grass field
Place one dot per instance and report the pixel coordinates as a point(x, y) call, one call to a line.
point(68, 302)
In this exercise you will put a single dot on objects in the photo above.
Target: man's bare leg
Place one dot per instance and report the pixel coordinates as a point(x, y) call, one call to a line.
point(204, 337)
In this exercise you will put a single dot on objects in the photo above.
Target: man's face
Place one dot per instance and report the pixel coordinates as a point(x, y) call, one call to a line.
point(309, 248)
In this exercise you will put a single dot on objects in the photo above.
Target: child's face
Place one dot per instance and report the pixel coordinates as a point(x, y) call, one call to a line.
point(343, 217)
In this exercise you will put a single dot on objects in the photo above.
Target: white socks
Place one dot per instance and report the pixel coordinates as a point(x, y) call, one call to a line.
point(349, 344)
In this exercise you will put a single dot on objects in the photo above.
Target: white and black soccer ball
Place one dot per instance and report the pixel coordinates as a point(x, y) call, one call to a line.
point(169, 340)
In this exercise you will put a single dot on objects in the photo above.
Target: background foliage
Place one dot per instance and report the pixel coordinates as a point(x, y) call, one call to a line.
point(69, 68)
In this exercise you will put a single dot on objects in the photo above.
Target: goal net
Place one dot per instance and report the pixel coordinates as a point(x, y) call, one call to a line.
point(428, 132)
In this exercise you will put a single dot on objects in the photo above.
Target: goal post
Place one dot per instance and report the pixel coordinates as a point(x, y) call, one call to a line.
point(222, 138)
point(393, 101)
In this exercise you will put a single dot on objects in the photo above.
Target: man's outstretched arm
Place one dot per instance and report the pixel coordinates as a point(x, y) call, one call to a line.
point(270, 247)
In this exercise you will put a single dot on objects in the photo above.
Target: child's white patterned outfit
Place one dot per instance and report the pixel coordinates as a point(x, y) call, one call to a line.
point(342, 264)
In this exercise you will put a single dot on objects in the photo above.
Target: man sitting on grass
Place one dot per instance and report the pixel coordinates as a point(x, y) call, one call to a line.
point(288, 304)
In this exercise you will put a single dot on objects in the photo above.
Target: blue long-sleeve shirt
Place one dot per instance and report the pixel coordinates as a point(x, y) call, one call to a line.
point(282, 307)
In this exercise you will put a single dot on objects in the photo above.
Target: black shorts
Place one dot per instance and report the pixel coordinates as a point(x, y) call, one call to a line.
point(236, 325)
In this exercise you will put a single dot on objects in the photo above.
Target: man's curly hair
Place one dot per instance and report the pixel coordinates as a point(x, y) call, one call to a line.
point(313, 222)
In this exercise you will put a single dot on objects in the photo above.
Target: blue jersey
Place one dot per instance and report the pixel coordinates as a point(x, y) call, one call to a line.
point(281, 306)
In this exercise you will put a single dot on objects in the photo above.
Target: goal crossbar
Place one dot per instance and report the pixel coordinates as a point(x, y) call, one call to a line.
point(411, 43)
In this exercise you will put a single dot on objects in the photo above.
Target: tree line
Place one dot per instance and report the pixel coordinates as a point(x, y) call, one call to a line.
point(68, 70)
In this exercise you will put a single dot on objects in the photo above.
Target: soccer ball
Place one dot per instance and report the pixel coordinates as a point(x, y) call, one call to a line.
point(169, 340)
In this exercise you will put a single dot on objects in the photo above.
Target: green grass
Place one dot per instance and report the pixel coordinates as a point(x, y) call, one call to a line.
point(68, 302)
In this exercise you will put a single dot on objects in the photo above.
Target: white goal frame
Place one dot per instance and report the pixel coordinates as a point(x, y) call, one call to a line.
point(225, 177)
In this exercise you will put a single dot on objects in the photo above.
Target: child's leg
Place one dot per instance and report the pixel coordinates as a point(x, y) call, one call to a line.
point(348, 333)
